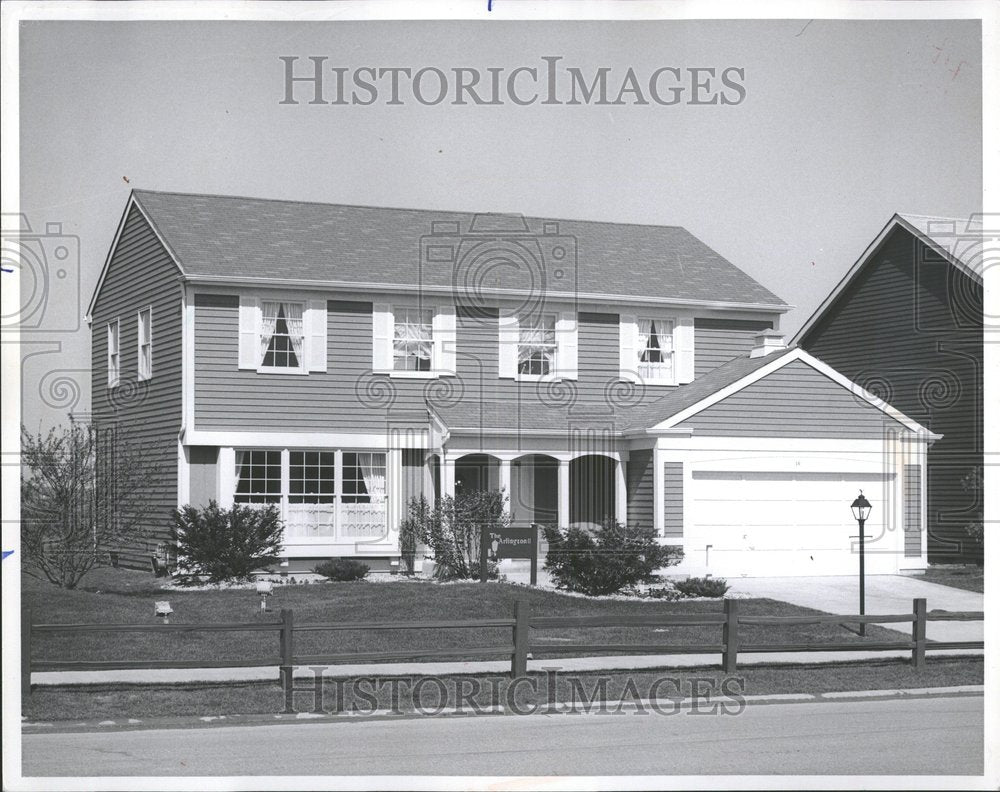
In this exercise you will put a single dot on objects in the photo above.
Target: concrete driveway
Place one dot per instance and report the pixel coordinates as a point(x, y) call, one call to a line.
point(883, 594)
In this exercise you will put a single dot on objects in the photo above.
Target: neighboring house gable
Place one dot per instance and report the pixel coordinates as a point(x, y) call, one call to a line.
point(906, 323)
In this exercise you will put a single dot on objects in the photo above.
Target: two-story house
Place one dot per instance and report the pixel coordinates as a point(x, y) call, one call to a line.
point(906, 320)
point(338, 360)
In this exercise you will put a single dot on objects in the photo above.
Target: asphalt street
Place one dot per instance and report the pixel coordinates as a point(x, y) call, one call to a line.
point(897, 736)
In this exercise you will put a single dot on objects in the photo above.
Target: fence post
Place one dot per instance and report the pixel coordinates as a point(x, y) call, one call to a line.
point(519, 660)
point(26, 651)
point(730, 635)
point(919, 631)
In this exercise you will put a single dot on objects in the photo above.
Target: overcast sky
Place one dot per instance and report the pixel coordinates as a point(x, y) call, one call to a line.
point(843, 124)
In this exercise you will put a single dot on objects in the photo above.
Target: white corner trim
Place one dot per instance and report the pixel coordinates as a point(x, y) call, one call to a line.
point(789, 357)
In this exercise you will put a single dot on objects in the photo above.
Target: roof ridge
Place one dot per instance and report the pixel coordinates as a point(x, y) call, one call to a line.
point(404, 208)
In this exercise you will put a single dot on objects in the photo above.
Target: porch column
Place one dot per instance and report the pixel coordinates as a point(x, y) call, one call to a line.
point(563, 493)
point(505, 483)
point(621, 491)
point(394, 491)
point(227, 476)
point(447, 475)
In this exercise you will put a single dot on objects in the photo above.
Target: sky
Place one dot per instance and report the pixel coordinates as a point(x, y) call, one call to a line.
point(843, 124)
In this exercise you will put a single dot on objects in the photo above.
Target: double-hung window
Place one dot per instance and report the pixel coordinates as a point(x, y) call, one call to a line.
point(312, 477)
point(282, 339)
point(145, 344)
point(412, 339)
point(536, 346)
point(655, 349)
point(114, 355)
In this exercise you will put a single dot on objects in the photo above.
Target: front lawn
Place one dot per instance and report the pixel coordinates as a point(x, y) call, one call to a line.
point(968, 577)
point(120, 702)
point(116, 596)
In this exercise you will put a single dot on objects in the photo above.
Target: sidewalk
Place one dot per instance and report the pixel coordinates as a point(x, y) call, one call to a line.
point(610, 663)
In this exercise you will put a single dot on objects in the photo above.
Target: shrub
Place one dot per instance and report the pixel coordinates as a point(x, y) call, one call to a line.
point(666, 593)
point(452, 530)
point(341, 569)
point(702, 587)
point(607, 560)
point(226, 544)
point(412, 531)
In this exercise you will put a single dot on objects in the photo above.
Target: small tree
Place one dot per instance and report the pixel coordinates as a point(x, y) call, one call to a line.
point(453, 529)
point(607, 560)
point(84, 490)
point(412, 531)
point(226, 544)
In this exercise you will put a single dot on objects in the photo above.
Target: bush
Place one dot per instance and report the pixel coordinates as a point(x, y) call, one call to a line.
point(452, 530)
point(666, 593)
point(341, 569)
point(225, 544)
point(412, 531)
point(607, 560)
point(702, 587)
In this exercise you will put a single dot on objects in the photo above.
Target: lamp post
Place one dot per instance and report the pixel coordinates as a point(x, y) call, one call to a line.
point(861, 509)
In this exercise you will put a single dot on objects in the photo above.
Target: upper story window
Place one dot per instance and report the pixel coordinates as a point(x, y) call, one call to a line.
point(412, 339)
point(114, 355)
point(145, 344)
point(282, 340)
point(536, 346)
point(656, 349)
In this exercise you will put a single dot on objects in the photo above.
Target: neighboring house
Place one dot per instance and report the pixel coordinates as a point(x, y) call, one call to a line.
point(906, 321)
point(338, 360)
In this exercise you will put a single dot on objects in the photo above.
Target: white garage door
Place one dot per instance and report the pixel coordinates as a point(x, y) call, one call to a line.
point(772, 523)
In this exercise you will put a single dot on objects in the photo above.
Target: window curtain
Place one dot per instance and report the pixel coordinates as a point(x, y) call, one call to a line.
point(534, 339)
point(269, 320)
point(373, 473)
point(413, 335)
point(241, 458)
point(293, 318)
point(646, 329)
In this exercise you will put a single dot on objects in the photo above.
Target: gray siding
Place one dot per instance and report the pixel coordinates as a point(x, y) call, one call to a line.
point(717, 341)
point(673, 499)
point(639, 485)
point(794, 401)
point(911, 510)
point(141, 273)
point(204, 465)
point(909, 327)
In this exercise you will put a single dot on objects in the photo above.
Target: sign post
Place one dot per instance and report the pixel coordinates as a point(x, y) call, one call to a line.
point(514, 541)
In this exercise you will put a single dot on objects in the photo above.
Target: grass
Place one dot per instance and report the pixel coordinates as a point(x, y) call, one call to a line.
point(116, 596)
point(968, 577)
point(119, 702)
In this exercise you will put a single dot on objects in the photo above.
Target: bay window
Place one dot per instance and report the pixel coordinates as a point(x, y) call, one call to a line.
point(323, 495)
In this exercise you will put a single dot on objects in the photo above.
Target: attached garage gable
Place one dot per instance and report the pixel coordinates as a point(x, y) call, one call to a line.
point(795, 400)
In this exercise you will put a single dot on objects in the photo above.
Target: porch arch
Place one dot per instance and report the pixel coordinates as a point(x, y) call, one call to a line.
point(534, 489)
point(476, 473)
point(592, 489)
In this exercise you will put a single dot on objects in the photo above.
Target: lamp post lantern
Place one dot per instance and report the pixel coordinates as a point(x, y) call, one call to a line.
point(861, 509)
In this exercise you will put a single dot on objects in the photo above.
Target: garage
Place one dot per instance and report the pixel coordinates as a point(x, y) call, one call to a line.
point(758, 523)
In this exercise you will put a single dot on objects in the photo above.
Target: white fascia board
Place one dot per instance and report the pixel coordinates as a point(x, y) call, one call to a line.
point(238, 439)
point(751, 447)
point(114, 246)
point(512, 294)
point(789, 357)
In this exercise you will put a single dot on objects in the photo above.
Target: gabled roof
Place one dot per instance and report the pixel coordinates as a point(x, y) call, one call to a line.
point(741, 372)
point(252, 240)
point(957, 241)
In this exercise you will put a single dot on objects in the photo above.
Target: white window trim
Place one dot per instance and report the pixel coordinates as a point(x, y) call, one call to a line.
point(431, 373)
point(138, 317)
point(301, 369)
point(443, 342)
point(554, 375)
point(114, 373)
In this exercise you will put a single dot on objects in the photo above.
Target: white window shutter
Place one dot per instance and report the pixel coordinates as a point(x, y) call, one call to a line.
point(508, 346)
point(382, 326)
point(628, 355)
point(445, 339)
point(566, 337)
point(249, 356)
point(315, 329)
point(684, 349)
